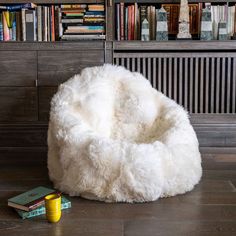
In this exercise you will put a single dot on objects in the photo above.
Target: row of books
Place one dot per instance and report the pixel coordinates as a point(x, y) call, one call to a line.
point(129, 18)
point(30, 22)
point(223, 13)
point(31, 203)
point(83, 22)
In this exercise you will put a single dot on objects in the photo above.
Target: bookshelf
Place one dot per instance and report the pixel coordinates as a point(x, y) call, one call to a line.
point(197, 74)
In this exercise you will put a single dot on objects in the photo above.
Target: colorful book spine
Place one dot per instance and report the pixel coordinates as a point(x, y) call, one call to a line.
point(52, 24)
point(65, 204)
point(15, 7)
point(1, 27)
point(14, 27)
point(122, 28)
point(6, 31)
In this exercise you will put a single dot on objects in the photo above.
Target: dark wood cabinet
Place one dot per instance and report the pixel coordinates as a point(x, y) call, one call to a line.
point(18, 68)
point(55, 67)
point(18, 104)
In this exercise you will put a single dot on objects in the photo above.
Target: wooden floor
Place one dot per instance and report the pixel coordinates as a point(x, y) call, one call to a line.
point(210, 209)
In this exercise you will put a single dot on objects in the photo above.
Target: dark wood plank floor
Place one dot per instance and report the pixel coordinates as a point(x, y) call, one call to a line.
point(208, 210)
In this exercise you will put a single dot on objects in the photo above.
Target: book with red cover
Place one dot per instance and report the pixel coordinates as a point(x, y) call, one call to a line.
point(52, 23)
point(122, 25)
point(132, 22)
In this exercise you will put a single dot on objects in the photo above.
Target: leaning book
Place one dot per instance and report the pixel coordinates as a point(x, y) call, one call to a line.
point(65, 204)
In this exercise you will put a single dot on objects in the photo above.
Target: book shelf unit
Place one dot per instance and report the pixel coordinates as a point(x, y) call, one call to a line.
point(197, 74)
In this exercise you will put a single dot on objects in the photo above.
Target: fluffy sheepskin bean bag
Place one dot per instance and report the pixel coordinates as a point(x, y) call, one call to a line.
point(112, 137)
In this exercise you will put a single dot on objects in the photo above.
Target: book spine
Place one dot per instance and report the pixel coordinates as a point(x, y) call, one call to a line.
point(118, 21)
point(56, 22)
point(126, 23)
point(135, 21)
point(29, 22)
point(132, 22)
point(14, 27)
point(45, 24)
point(6, 31)
point(35, 25)
point(36, 205)
point(129, 23)
point(60, 22)
point(23, 25)
point(53, 23)
point(40, 211)
point(39, 23)
point(149, 19)
point(1, 27)
point(19, 6)
point(122, 27)
point(48, 24)
point(18, 26)
point(153, 17)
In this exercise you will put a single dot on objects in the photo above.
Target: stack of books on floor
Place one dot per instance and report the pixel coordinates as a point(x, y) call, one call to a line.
point(31, 22)
point(83, 22)
point(31, 203)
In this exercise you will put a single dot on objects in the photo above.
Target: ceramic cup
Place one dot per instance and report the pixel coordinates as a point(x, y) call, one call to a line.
point(53, 207)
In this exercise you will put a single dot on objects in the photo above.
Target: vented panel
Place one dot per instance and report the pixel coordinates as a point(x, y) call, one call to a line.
point(201, 82)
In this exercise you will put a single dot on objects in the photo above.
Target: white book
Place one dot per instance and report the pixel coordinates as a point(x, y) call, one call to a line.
point(23, 24)
point(39, 23)
point(83, 37)
point(60, 23)
point(49, 24)
point(45, 24)
point(35, 25)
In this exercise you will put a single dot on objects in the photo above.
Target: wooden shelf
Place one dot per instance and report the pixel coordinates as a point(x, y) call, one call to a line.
point(172, 1)
point(176, 45)
point(50, 1)
point(59, 45)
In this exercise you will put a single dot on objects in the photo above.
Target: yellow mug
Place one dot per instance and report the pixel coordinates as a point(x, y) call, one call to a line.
point(53, 207)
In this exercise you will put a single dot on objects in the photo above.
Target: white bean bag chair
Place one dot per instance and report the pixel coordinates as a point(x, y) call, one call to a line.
point(112, 137)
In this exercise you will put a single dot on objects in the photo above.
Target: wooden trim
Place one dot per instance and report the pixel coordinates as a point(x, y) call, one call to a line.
point(213, 119)
point(60, 45)
point(218, 150)
point(175, 54)
point(169, 1)
point(50, 1)
point(176, 45)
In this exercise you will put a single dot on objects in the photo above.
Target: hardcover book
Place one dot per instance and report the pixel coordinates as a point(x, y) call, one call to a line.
point(65, 204)
point(29, 22)
point(31, 199)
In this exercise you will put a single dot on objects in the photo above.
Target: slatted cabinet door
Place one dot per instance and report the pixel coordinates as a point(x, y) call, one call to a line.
point(201, 82)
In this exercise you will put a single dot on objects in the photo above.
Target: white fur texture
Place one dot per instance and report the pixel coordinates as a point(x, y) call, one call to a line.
point(112, 137)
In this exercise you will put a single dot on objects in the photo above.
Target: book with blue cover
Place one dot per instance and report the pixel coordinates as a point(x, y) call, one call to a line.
point(31, 199)
point(1, 27)
point(65, 204)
